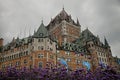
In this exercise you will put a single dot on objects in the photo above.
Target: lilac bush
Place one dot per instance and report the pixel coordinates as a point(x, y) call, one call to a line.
point(60, 73)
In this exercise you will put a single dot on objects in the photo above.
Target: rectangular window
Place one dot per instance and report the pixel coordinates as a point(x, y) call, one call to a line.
point(3, 66)
point(25, 61)
point(40, 55)
point(67, 53)
point(42, 48)
point(78, 61)
point(40, 40)
point(48, 48)
point(51, 49)
point(32, 40)
point(30, 57)
point(68, 59)
point(78, 54)
point(17, 63)
point(10, 64)
point(51, 56)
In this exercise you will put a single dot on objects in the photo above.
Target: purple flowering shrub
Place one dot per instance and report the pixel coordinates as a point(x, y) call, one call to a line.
point(60, 73)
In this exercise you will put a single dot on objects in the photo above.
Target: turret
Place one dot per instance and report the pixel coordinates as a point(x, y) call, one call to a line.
point(41, 32)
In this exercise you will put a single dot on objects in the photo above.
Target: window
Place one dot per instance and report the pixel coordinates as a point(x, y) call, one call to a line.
point(48, 48)
point(26, 52)
point(68, 59)
point(51, 42)
point(40, 55)
point(67, 53)
point(25, 61)
point(10, 64)
point(41, 34)
point(3, 66)
point(85, 56)
point(38, 47)
point(78, 61)
point(58, 51)
point(78, 54)
point(40, 65)
point(17, 63)
point(30, 66)
point(32, 40)
point(51, 49)
point(42, 48)
point(30, 57)
point(40, 40)
point(32, 47)
point(51, 56)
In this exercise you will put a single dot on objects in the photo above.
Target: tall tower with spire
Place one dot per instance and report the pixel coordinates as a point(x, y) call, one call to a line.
point(63, 28)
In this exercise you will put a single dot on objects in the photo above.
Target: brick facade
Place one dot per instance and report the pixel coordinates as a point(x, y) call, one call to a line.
point(61, 38)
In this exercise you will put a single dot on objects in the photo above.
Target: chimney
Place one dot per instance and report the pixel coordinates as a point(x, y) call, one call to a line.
point(1, 42)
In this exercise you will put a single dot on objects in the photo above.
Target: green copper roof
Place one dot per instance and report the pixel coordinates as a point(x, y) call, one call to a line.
point(87, 34)
point(41, 32)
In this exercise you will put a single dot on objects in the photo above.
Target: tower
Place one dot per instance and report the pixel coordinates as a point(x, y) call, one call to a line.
point(63, 28)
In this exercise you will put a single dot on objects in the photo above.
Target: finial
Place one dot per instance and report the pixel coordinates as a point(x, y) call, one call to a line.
point(63, 6)
point(29, 31)
point(98, 36)
point(78, 22)
point(25, 32)
point(51, 19)
point(105, 41)
point(87, 28)
point(34, 31)
point(42, 20)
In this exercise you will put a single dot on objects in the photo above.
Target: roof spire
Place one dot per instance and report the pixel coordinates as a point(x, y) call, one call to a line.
point(29, 31)
point(42, 20)
point(63, 7)
point(41, 32)
point(106, 42)
point(78, 22)
point(87, 28)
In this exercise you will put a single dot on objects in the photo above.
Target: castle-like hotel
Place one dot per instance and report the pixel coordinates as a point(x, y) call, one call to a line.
point(61, 38)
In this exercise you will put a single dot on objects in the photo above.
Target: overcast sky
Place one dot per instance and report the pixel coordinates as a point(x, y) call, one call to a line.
point(21, 17)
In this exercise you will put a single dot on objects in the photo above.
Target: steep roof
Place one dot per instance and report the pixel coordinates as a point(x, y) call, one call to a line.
point(87, 33)
point(63, 15)
point(41, 32)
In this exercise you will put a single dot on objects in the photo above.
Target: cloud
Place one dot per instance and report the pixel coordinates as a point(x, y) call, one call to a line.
point(18, 17)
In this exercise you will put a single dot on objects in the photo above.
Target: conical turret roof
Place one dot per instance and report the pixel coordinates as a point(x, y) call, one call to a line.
point(41, 32)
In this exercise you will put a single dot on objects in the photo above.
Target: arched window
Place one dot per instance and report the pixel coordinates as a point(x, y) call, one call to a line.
point(40, 64)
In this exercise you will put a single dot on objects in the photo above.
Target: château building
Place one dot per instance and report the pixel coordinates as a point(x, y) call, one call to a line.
point(61, 38)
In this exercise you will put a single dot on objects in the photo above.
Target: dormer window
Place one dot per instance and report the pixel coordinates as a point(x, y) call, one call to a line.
point(41, 34)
